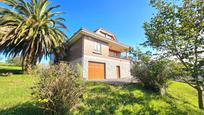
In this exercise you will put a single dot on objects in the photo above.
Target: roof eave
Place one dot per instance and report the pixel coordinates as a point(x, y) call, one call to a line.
point(85, 32)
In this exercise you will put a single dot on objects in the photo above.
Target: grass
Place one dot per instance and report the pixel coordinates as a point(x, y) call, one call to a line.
point(4, 68)
point(132, 98)
point(100, 98)
point(15, 92)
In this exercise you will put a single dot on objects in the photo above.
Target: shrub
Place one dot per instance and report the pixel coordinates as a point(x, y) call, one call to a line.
point(16, 61)
point(153, 74)
point(178, 71)
point(58, 90)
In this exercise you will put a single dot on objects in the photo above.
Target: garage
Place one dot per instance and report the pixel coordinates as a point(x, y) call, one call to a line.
point(96, 71)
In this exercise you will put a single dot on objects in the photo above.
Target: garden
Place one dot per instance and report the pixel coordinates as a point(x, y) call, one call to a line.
point(170, 77)
point(99, 98)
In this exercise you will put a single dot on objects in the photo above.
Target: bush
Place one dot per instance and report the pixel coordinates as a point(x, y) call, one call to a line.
point(16, 61)
point(178, 71)
point(153, 74)
point(58, 90)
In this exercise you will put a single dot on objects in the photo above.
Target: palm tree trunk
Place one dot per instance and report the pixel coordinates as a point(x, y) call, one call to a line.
point(30, 61)
point(26, 65)
point(28, 68)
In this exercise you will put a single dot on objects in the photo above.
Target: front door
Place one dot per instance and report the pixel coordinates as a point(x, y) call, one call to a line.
point(118, 71)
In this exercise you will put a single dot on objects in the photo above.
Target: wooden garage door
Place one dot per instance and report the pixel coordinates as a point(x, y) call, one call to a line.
point(96, 71)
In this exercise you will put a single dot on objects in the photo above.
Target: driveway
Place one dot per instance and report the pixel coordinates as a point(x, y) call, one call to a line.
point(118, 81)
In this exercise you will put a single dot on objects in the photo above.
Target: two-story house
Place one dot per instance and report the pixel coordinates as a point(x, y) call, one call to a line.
point(100, 55)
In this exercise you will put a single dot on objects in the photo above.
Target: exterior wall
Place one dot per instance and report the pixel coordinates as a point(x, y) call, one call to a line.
point(89, 44)
point(110, 67)
point(76, 61)
point(82, 52)
point(76, 50)
point(76, 54)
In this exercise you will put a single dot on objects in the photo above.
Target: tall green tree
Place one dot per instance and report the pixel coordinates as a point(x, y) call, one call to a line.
point(177, 29)
point(33, 30)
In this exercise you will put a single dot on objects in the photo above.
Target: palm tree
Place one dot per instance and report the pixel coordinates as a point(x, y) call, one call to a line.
point(61, 53)
point(32, 30)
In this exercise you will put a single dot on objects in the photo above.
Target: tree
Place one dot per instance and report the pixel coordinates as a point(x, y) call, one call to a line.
point(60, 53)
point(178, 30)
point(151, 71)
point(136, 55)
point(32, 30)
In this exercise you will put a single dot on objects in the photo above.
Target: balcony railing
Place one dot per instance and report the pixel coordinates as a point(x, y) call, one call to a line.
point(118, 56)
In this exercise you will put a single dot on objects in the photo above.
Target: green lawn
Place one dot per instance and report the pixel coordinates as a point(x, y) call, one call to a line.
point(100, 98)
point(15, 92)
point(9, 68)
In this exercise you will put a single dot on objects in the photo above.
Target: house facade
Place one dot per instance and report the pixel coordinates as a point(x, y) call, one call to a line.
point(100, 55)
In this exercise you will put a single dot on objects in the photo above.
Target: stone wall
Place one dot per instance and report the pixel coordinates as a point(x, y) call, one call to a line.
point(110, 67)
point(89, 44)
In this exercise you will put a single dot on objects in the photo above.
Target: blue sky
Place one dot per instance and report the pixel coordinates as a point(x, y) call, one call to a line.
point(124, 18)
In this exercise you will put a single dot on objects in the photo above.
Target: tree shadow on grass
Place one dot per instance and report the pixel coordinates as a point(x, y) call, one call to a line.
point(148, 96)
point(182, 101)
point(22, 109)
point(13, 71)
point(187, 106)
point(106, 100)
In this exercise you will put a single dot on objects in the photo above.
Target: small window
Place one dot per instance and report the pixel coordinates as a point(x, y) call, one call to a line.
point(109, 37)
point(97, 47)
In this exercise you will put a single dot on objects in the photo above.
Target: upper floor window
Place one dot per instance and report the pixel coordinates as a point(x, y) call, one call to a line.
point(97, 47)
point(109, 37)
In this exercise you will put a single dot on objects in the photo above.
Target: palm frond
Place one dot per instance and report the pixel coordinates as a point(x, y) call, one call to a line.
point(34, 30)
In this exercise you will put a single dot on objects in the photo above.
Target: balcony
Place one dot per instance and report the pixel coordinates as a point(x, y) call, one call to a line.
point(119, 55)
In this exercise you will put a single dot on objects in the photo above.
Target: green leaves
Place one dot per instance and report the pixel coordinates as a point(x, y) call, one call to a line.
point(60, 86)
point(153, 74)
point(177, 29)
point(33, 30)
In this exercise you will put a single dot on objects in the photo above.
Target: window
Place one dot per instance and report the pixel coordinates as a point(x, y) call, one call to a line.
point(97, 47)
point(109, 37)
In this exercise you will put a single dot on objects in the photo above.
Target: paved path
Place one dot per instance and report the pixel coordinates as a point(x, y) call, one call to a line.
point(118, 81)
